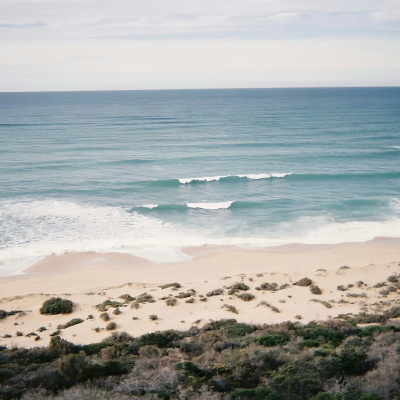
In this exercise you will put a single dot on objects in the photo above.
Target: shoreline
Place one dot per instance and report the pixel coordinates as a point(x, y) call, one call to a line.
point(89, 279)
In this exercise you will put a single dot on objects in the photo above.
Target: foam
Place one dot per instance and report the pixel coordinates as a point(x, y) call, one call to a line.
point(151, 206)
point(202, 179)
point(33, 229)
point(211, 206)
point(394, 204)
point(219, 177)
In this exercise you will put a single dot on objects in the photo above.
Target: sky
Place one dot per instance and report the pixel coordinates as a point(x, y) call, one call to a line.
point(179, 44)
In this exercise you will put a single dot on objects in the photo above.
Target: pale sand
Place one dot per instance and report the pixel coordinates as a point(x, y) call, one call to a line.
point(89, 279)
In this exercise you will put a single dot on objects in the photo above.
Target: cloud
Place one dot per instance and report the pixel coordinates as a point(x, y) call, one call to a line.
point(127, 44)
point(29, 25)
point(283, 16)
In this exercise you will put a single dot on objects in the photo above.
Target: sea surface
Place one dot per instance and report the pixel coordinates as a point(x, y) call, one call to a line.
point(147, 172)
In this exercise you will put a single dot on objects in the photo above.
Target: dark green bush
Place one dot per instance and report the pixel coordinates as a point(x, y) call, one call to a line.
point(223, 360)
point(73, 322)
point(56, 305)
point(168, 285)
point(215, 292)
point(273, 339)
point(111, 326)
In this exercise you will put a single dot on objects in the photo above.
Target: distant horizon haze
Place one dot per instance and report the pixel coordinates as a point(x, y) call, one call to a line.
point(176, 44)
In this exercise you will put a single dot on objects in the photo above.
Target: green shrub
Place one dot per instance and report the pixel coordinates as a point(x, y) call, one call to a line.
point(273, 339)
point(239, 330)
point(73, 322)
point(56, 305)
point(268, 286)
point(236, 287)
point(171, 301)
point(215, 292)
point(127, 298)
point(303, 282)
point(168, 285)
point(108, 303)
point(153, 317)
point(314, 289)
point(319, 334)
point(230, 308)
point(145, 298)
point(246, 296)
point(105, 316)
point(111, 326)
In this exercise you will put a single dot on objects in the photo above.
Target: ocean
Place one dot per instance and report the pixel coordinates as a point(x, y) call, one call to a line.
point(147, 172)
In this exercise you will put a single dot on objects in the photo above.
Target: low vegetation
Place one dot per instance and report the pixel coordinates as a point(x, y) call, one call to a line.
point(169, 285)
point(215, 292)
point(56, 305)
point(223, 360)
point(73, 322)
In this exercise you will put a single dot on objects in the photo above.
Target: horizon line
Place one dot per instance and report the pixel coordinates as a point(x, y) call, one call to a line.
point(187, 89)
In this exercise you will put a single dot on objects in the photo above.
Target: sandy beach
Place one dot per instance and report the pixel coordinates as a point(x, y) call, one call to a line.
point(90, 279)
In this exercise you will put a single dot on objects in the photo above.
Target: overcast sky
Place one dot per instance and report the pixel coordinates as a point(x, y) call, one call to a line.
point(158, 44)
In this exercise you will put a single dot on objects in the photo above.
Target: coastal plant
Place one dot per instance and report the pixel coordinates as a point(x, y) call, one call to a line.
point(111, 326)
point(135, 304)
point(230, 308)
point(105, 316)
point(170, 301)
point(246, 296)
point(268, 286)
point(236, 287)
point(215, 292)
point(56, 305)
point(356, 295)
point(223, 360)
point(168, 285)
point(303, 282)
point(127, 298)
point(117, 311)
point(325, 303)
point(55, 333)
point(270, 306)
point(153, 317)
point(314, 289)
point(108, 303)
point(145, 298)
point(184, 295)
point(191, 300)
point(3, 314)
point(73, 322)
point(42, 329)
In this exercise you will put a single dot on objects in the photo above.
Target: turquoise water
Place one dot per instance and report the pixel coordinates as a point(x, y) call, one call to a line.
point(147, 172)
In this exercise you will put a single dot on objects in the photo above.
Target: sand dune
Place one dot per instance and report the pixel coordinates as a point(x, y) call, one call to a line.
point(90, 279)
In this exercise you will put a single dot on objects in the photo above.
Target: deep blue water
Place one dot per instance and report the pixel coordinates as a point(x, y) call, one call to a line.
point(80, 170)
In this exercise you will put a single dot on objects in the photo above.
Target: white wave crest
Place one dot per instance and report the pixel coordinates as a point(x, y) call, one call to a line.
point(211, 206)
point(202, 179)
point(394, 204)
point(151, 206)
point(396, 147)
point(33, 229)
point(218, 177)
